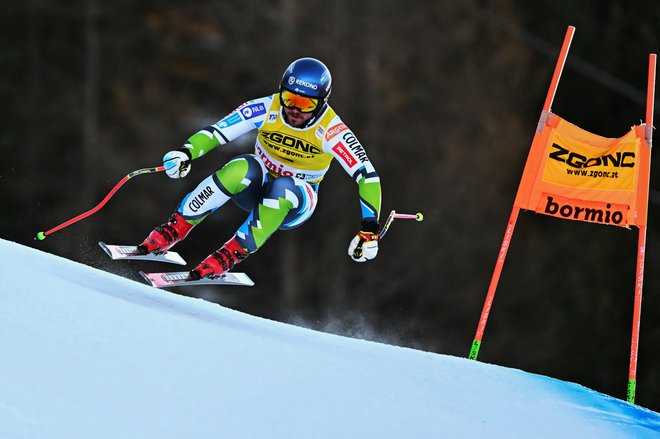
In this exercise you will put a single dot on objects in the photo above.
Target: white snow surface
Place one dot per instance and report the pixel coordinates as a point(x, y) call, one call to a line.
point(89, 354)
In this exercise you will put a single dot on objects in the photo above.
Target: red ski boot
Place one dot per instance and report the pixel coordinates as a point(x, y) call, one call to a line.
point(221, 261)
point(163, 237)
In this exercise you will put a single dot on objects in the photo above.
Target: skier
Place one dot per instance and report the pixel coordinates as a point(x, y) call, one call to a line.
point(298, 135)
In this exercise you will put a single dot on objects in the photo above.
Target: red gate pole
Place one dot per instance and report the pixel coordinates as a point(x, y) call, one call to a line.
point(504, 248)
point(559, 67)
point(641, 241)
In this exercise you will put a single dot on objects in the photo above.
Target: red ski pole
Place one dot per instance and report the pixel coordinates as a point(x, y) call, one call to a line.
point(42, 235)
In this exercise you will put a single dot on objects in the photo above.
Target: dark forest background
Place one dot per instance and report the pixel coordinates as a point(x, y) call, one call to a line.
point(445, 96)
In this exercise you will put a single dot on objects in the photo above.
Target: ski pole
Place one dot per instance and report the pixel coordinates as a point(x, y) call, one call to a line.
point(42, 235)
point(393, 215)
point(357, 253)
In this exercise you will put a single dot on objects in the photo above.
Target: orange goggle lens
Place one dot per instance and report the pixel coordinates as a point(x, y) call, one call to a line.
point(302, 103)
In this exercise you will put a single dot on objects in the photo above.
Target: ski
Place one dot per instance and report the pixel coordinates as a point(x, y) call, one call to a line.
point(182, 278)
point(131, 252)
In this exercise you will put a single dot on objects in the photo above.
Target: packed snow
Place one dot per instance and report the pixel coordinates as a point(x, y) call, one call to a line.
point(89, 354)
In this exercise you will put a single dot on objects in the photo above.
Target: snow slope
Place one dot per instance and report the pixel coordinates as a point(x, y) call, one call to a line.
point(88, 354)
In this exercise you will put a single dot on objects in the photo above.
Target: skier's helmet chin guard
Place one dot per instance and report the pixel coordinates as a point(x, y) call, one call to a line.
point(310, 78)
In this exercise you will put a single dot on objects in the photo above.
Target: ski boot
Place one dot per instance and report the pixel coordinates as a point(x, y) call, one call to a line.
point(163, 237)
point(221, 261)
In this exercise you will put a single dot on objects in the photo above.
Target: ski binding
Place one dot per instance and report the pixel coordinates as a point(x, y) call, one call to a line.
point(182, 278)
point(131, 252)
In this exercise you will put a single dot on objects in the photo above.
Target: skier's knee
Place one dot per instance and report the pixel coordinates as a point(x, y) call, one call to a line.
point(237, 175)
point(279, 186)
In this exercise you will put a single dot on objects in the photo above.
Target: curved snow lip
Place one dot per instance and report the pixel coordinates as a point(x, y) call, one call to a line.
point(606, 409)
point(86, 353)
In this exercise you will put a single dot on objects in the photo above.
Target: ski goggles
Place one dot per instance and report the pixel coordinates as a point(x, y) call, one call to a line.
point(302, 103)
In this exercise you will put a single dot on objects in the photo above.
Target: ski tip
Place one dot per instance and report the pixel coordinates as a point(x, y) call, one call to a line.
point(245, 280)
point(105, 248)
point(145, 276)
point(41, 236)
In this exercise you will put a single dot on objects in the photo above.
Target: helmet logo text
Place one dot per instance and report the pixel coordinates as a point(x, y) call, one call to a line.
point(294, 80)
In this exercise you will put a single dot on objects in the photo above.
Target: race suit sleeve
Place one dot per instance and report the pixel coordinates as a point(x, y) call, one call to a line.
point(345, 147)
point(247, 117)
